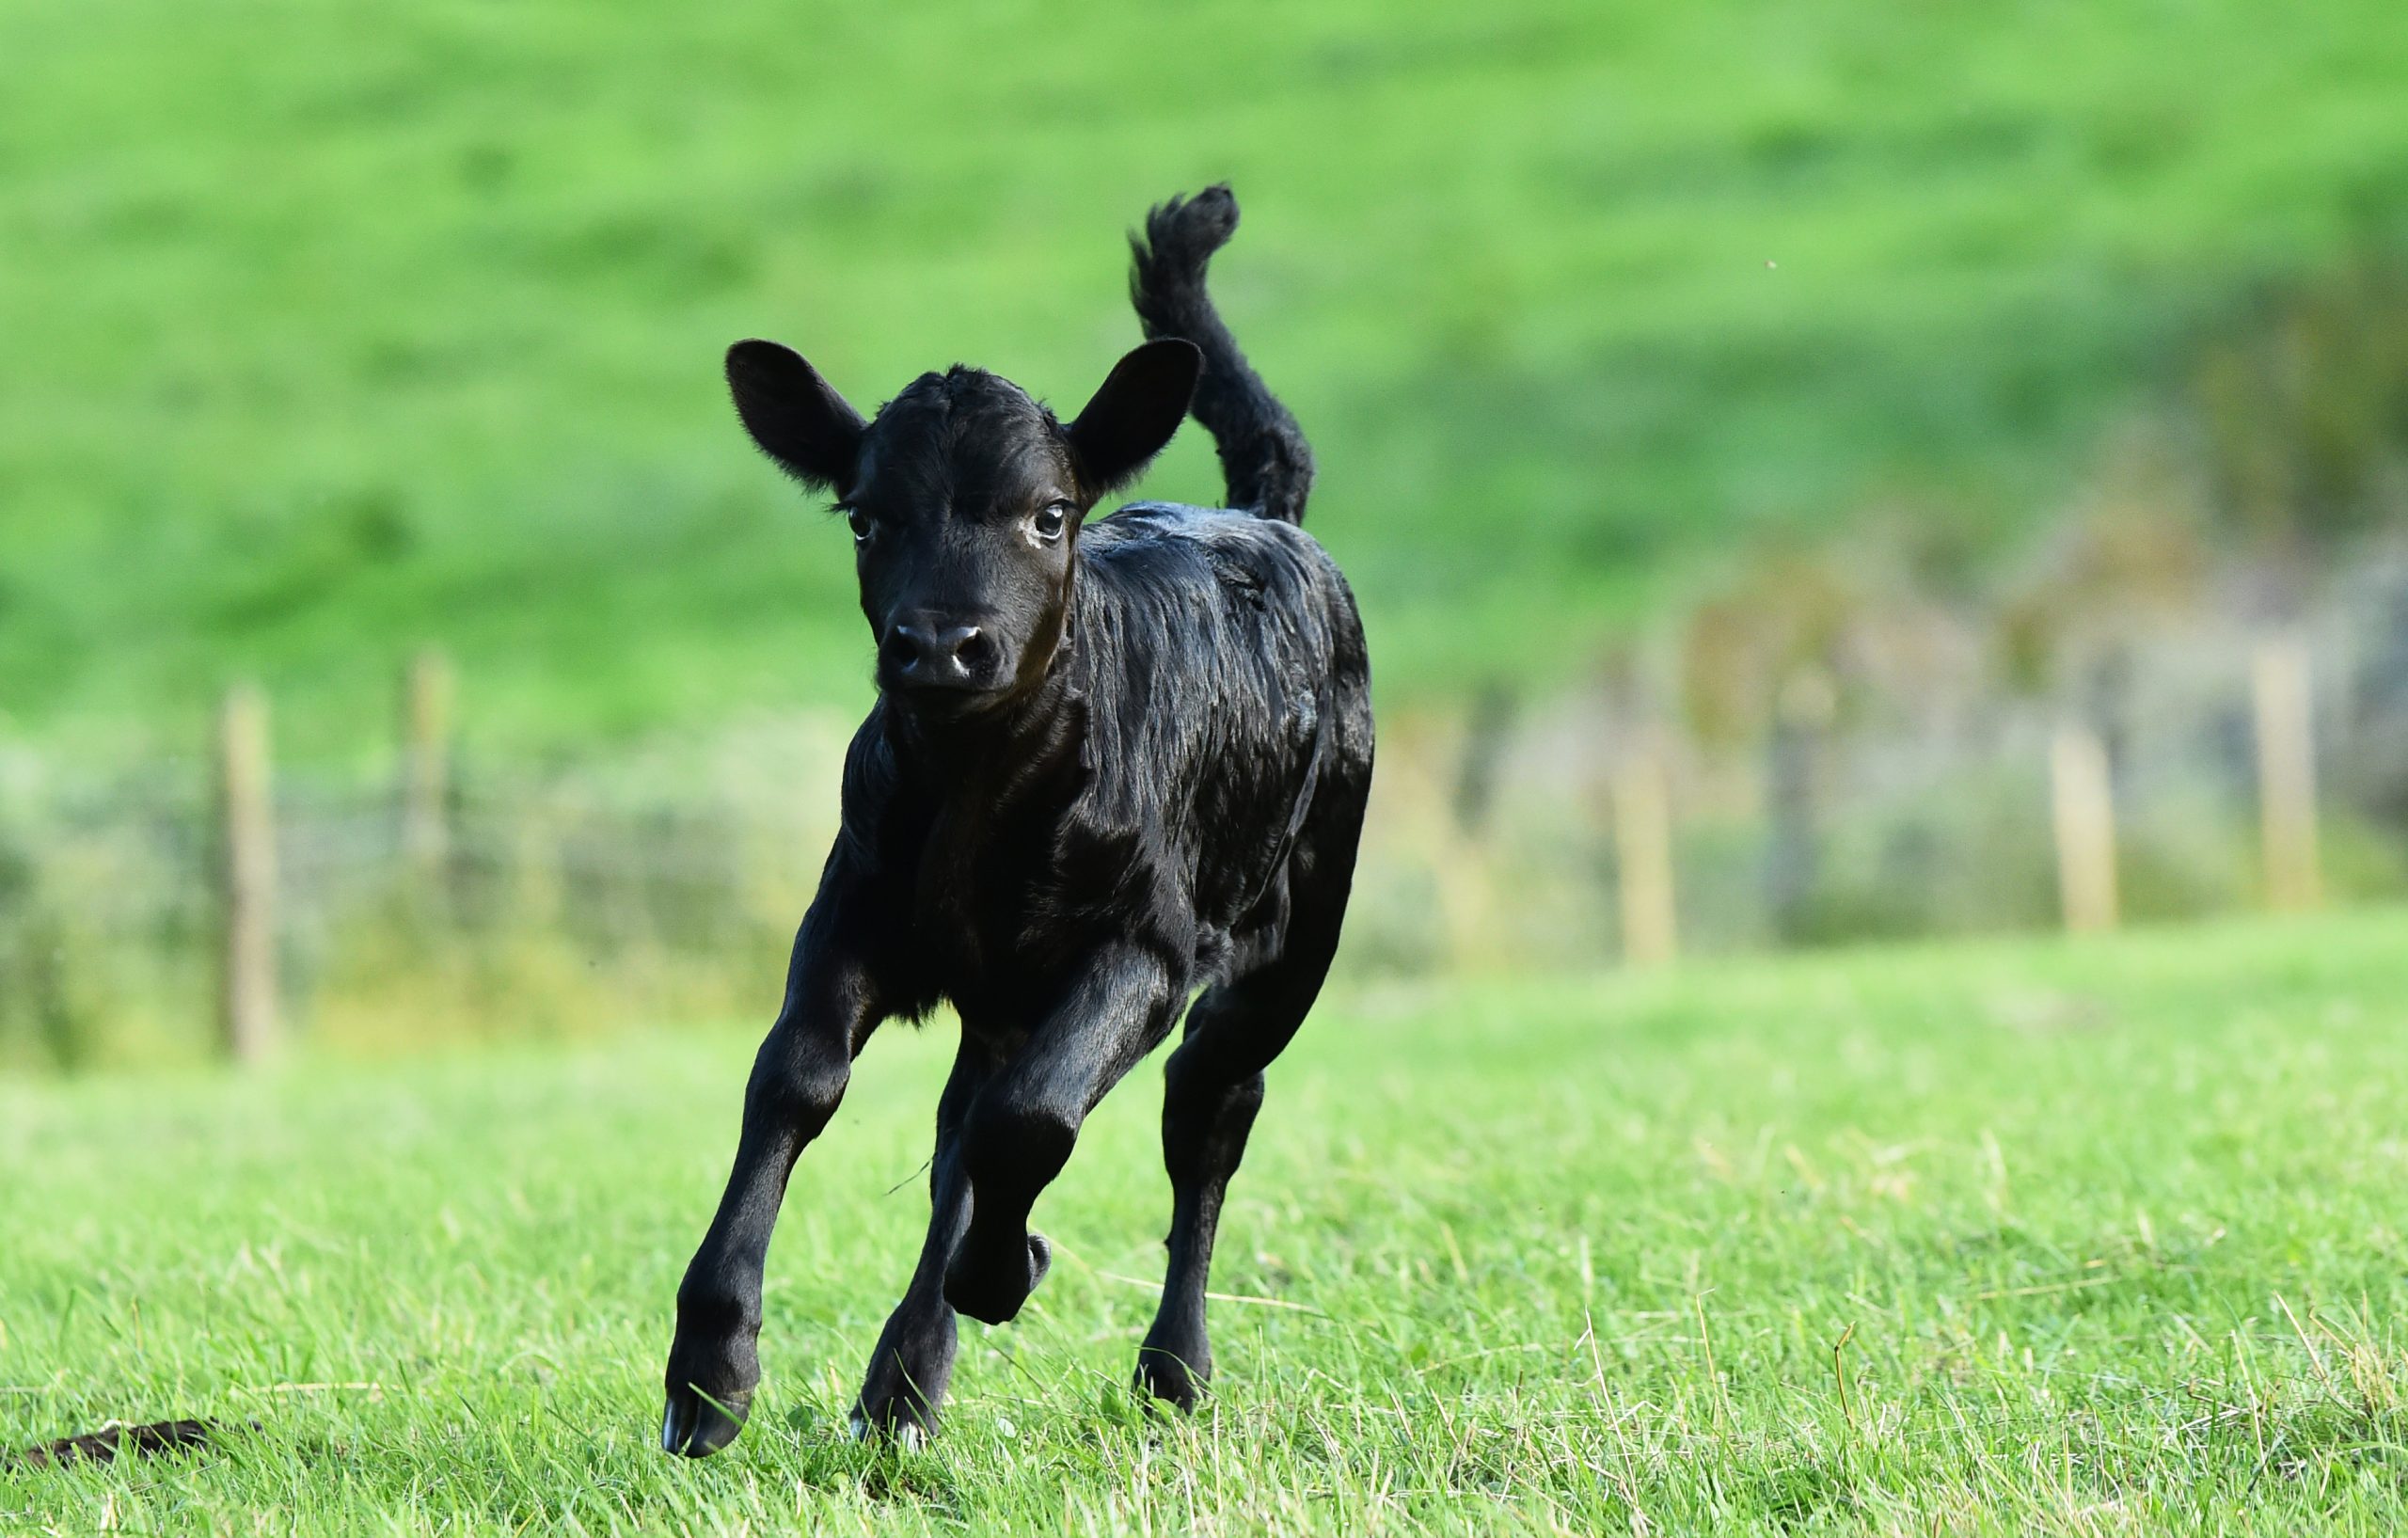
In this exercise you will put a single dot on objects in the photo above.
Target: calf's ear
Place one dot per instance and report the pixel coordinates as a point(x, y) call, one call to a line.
point(795, 415)
point(1134, 413)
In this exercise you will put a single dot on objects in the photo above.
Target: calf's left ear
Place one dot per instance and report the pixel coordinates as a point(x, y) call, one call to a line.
point(1140, 405)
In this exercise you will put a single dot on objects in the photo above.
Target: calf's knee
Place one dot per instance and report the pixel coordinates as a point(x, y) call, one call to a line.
point(1014, 1146)
point(797, 1083)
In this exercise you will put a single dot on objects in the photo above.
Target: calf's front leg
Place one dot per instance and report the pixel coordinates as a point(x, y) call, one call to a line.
point(797, 1079)
point(913, 1363)
point(1024, 1124)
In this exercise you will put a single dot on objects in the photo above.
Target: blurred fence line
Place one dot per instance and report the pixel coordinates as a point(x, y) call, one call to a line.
point(211, 903)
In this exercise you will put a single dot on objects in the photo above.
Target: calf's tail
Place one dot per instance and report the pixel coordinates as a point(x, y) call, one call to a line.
point(1265, 459)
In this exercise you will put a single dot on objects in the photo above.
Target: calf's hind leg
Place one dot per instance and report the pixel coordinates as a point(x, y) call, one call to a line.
point(1212, 1084)
point(1213, 1087)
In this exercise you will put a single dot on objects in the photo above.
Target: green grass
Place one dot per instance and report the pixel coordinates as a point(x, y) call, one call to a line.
point(2104, 1239)
point(331, 331)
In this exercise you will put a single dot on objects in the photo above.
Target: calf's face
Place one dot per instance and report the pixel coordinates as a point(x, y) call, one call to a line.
point(964, 497)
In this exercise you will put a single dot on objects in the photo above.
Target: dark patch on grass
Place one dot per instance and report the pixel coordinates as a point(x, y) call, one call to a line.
point(116, 1440)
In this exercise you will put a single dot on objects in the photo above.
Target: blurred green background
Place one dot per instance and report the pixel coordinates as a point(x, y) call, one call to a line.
point(1817, 475)
point(334, 329)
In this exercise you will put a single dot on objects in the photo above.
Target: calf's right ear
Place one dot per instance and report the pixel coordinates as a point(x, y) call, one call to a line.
point(795, 415)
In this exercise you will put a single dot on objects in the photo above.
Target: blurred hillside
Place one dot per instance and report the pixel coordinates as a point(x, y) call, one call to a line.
point(333, 329)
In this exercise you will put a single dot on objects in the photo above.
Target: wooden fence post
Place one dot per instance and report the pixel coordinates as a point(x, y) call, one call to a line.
point(1415, 801)
point(1803, 714)
point(2286, 772)
point(426, 763)
point(1643, 852)
point(246, 812)
point(2084, 808)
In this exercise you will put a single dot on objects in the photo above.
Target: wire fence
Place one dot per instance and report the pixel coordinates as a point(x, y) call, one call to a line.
point(447, 895)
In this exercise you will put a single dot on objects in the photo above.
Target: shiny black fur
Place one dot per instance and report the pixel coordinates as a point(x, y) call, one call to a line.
point(1111, 764)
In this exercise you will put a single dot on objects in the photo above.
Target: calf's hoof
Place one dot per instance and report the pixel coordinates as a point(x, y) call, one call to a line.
point(713, 1368)
point(907, 1379)
point(901, 1431)
point(1167, 1376)
point(992, 1289)
point(695, 1425)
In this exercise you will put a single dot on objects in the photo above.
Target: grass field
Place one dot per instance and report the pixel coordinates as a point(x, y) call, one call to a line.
point(333, 331)
point(2011, 1238)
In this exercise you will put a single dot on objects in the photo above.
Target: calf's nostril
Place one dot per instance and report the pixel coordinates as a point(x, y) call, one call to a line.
point(971, 647)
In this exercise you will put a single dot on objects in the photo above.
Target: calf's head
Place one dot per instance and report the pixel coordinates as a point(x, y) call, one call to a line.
point(965, 499)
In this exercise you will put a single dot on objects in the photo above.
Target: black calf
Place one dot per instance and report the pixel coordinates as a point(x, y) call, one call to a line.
point(1111, 762)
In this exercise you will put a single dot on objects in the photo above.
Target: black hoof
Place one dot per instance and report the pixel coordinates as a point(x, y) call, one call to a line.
point(992, 1292)
point(907, 1374)
point(1164, 1375)
point(695, 1425)
point(899, 1427)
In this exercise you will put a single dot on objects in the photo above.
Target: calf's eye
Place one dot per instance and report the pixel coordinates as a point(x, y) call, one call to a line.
point(1050, 520)
point(861, 524)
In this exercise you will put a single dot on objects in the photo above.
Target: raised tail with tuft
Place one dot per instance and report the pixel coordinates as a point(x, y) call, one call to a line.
point(1265, 459)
